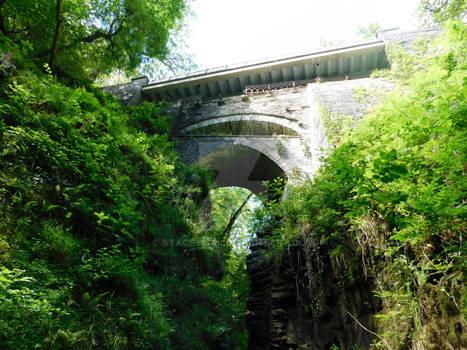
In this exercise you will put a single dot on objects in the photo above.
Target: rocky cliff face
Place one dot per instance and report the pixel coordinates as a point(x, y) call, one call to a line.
point(306, 300)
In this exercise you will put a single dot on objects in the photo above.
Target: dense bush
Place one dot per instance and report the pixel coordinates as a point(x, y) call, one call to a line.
point(392, 198)
point(99, 239)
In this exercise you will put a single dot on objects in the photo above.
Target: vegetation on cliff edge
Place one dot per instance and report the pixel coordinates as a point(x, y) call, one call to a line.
point(100, 239)
point(391, 198)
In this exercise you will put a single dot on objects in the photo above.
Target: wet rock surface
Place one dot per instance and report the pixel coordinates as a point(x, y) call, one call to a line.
point(305, 300)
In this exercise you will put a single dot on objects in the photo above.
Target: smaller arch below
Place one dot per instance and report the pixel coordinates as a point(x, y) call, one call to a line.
point(284, 123)
point(284, 151)
point(241, 166)
point(193, 148)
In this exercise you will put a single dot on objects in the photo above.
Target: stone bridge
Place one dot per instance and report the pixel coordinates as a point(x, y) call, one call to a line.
point(256, 121)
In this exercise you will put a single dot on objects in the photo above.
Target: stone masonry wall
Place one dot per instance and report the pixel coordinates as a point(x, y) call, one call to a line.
point(297, 108)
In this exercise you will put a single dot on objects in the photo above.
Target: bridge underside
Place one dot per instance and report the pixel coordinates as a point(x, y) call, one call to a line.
point(241, 166)
point(243, 161)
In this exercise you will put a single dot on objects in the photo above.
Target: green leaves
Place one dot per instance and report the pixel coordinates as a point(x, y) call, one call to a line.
point(394, 189)
point(439, 11)
point(97, 209)
point(385, 167)
point(95, 37)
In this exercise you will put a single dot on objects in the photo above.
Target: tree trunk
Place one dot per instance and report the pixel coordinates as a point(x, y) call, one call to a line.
point(58, 29)
point(2, 23)
point(233, 218)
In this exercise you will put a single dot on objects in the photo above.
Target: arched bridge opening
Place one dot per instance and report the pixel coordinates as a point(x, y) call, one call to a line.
point(241, 166)
point(243, 150)
point(252, 124)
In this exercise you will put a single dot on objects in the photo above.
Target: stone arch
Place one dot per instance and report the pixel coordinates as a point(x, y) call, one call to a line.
point(268, 118)
point(242, 162)
point(193, 148)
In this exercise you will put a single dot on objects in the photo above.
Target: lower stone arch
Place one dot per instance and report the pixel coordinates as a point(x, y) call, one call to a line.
point(241, 165)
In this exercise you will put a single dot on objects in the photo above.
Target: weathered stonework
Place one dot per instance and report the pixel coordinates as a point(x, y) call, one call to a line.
point(298, 109)
point(246, 160)
point(130, 94)
point(407, 38)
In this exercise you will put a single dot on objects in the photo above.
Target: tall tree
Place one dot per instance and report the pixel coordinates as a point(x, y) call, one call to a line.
point(58, 30)
point(439, 11)
point(91, 38)
point(231, 215)
point(370, 31)
point(233, 218)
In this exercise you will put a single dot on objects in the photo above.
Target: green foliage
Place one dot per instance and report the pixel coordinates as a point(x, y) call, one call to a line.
point(439, 11)
point(12, 293)
point(147, 117)
point(334, 125)
point(393, 192)
point(370, 31)
point(20, 298)
point(225, 201)
point(58, 243)
point(96, 36)
point(104, 221)
point(405, 64)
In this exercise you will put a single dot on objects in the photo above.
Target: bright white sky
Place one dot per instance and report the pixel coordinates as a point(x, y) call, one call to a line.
point(233, 31)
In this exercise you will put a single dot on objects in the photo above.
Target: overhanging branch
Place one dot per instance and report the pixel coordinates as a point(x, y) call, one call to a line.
point(101, 34)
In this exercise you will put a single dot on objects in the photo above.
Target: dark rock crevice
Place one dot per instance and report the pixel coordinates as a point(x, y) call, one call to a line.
point(306, 300)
